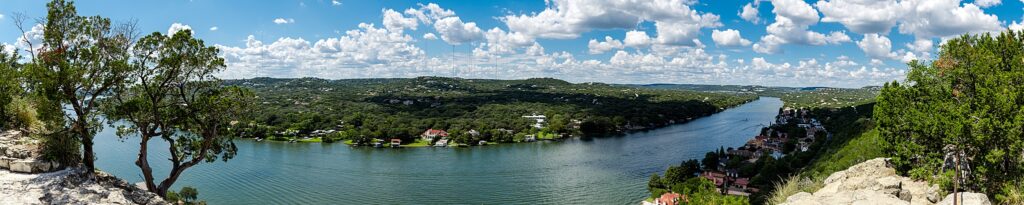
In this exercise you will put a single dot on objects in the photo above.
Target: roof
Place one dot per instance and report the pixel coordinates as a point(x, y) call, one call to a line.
point(670, 198)
point(433, 132)
point(396, 140)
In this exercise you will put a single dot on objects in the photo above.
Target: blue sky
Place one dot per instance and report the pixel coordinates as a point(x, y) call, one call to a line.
point(842, 43)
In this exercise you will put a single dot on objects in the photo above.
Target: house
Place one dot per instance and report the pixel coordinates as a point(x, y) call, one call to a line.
point(670, 198)
point(717, 177)
point(441, 143)
point(529, 137)
point(540, 119)
point(473, 133)
point(396, 142)
point(482, 142)
point(430, 134)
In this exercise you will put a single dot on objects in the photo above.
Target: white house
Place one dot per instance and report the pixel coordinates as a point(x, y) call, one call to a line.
point(539, 118)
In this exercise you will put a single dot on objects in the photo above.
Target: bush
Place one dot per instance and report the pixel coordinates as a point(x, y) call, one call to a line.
point(23, 115)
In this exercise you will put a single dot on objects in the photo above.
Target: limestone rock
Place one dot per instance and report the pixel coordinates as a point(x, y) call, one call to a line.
point(70, 186)
point(870, 182)
point(966, 198)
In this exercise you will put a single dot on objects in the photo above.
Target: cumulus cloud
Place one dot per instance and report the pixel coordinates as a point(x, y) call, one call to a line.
point(599, 47)
point(987, 3)
point(792, 20)
point(456, 32)
point(395, 21)
point(175, 27)
point(214, 28)
point(1016, 26)
point(430, 36)
point(637, 39)
point(335, 2)
point(876, 46)
point(283, 21)
point(676, 23)
point(728, 37)
point(499, 42)
point(920, 45)
point(750, 13)
point(365, 47)
point(921, 18)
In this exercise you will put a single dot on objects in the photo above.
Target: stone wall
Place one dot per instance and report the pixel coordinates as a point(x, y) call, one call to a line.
point(22, 154)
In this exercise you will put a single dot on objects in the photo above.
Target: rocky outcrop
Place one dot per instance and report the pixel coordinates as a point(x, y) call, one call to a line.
point(70, 186)
point(19, 153)
point(875, 182)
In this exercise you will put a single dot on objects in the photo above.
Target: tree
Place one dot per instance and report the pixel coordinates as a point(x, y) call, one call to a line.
point(174, 96)
point(10, 81)
point(961, 113)
point(79, 59)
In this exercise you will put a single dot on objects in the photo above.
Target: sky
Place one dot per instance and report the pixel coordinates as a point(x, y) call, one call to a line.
point(837, 43)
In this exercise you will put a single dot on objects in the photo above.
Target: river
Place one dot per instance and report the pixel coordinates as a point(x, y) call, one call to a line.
point(607, 170)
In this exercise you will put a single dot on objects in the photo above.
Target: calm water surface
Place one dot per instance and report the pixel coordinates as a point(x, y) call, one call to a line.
point(611, 170)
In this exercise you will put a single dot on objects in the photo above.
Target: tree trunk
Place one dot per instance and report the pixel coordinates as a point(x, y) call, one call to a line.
point(143, 163)
point(89, 157)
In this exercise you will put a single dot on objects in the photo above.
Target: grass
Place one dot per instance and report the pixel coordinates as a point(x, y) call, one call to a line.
point(313, 139)
point(792, 185)
point(418, 143)
point(348, 142)
point(858, 149)
point(546, 136)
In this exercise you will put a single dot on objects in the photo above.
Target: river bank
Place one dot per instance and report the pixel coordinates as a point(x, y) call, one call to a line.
point(70, 186)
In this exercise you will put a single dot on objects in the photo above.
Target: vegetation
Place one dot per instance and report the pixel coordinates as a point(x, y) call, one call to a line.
point(171, 94)
point(959, 120)
point(160, 87)
point(187, 195)
point(697, 190)
point(362, 110)
point(808, 97)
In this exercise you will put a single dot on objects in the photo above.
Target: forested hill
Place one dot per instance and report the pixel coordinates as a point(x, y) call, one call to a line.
point(362, 109)
point(794, 97)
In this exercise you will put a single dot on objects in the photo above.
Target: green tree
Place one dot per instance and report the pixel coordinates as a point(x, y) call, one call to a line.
point(174, 96)
point(80, 58)
point(10, 82)
point(968, 105)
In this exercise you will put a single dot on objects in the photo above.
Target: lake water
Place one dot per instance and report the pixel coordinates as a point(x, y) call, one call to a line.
point(608, 170)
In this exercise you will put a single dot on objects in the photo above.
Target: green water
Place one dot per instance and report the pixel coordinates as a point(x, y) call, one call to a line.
point(608, 170)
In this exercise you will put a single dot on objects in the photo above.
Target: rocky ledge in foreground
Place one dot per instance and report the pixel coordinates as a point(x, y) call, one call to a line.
point(875, 182)
point(70, 186)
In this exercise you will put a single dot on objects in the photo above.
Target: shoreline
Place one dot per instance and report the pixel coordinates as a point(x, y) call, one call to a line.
point(620, 133)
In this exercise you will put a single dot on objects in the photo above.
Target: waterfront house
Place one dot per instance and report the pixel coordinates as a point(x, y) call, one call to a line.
point(529, 138)
point(441, 143)
point(430, 134)
point(539, 120)
point(396, 142)
point(670, 198)
point(482, 143)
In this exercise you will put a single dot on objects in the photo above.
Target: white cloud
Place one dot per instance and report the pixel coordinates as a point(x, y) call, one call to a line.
point(500, 42)
point(395, 21)
point(863, 16)
point(608, 44)
point(987, 3)
point(637, 39)
point(175, 27)
point(429, 13)
point(214, 28)
point(455, 32)
point(729, 37)
point(430, 36)
point(792, 21)
point(750, 13)
point(921, 18)
point(335, 2)
point(1016, 26)
point(33, 37)
point(676, 23)
point(1, 16)
point(944, 18)
point(363, 48)
point(876, 46)
point(921, 45)
point(283, 21)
